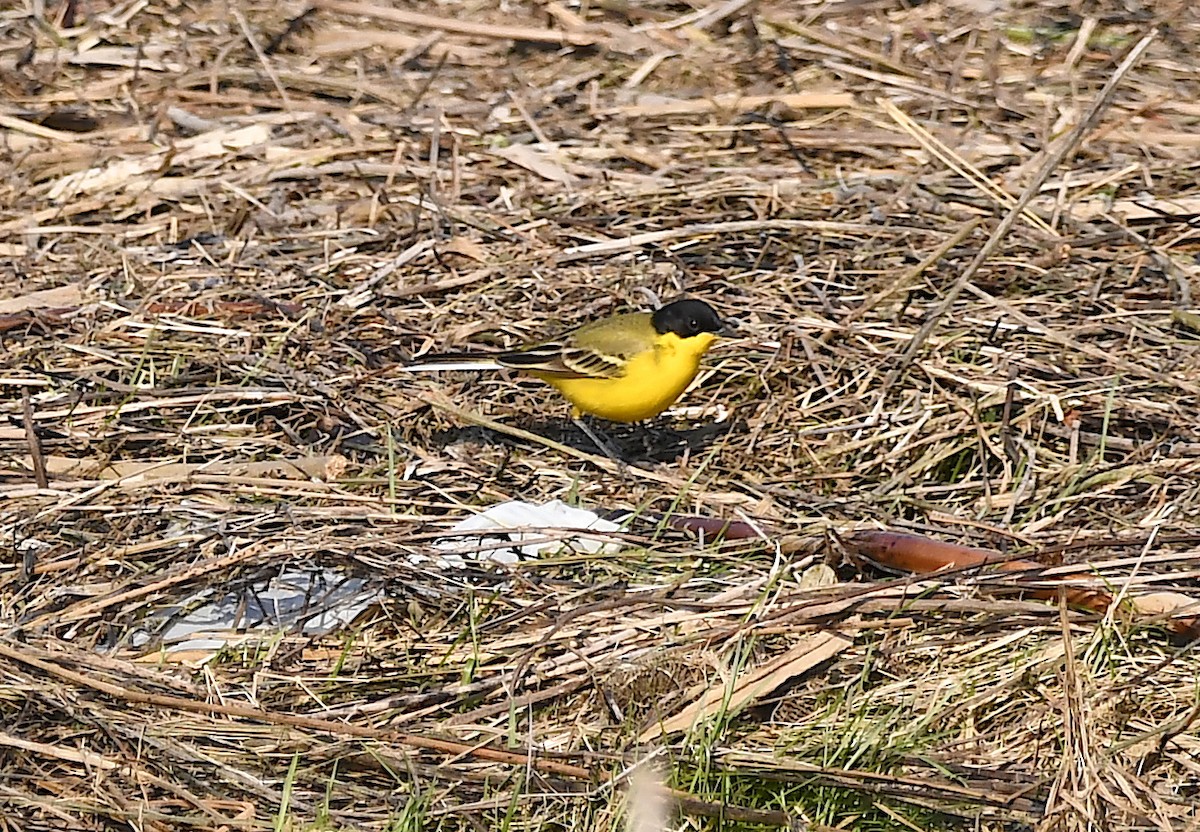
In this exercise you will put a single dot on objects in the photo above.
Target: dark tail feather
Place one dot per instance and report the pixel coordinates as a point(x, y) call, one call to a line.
point(451, 361)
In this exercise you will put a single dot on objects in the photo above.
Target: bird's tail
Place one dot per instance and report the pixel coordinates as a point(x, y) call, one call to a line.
point(451, 361)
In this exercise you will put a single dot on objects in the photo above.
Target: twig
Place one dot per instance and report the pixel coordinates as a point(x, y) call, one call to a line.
point(902, 283)
point(180, 703)
point(713, 228)
point(464, 27)
point(1065, 148)
point(946, 155)
point(35, 445)
point(262, 58)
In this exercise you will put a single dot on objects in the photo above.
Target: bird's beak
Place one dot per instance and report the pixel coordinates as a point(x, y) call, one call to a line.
point(728, 328)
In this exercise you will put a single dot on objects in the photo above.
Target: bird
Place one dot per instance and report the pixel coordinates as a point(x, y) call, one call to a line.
point(623, 368)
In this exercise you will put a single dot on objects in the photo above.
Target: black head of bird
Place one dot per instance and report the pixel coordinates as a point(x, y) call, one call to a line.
point(687, 318)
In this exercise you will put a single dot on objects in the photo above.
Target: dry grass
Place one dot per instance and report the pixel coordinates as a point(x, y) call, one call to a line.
point(222, 223)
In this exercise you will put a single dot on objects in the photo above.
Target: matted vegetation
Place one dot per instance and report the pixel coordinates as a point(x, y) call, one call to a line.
point(222, 224)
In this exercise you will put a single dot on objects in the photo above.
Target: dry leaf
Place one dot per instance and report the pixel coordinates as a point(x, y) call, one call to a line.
point(754, 683)
point(69, 295)
point(538, 161)
point(467, 248)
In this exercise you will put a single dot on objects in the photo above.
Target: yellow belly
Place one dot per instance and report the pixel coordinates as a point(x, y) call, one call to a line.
point(651, 383)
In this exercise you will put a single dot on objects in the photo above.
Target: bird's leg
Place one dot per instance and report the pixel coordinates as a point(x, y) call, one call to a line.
point(661, 440)
point(653, 431)
point(645, 430)
point(601, 442)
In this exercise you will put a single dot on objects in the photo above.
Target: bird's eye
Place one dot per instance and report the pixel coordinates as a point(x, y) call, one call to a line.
point(694, 324)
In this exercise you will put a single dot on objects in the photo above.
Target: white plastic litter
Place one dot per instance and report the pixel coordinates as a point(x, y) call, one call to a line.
point(528, 530)
point(310, 602)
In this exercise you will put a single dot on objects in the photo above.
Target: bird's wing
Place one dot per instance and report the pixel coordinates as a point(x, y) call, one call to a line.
point(563, 360)
point(598, 350)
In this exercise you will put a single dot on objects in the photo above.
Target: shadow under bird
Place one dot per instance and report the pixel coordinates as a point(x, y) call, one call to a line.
point(624, 368)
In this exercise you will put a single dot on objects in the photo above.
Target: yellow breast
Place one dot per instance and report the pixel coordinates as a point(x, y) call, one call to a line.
point(653, 380)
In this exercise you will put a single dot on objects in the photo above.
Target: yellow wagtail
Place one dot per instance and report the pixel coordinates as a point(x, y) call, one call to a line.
point(624, 368)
